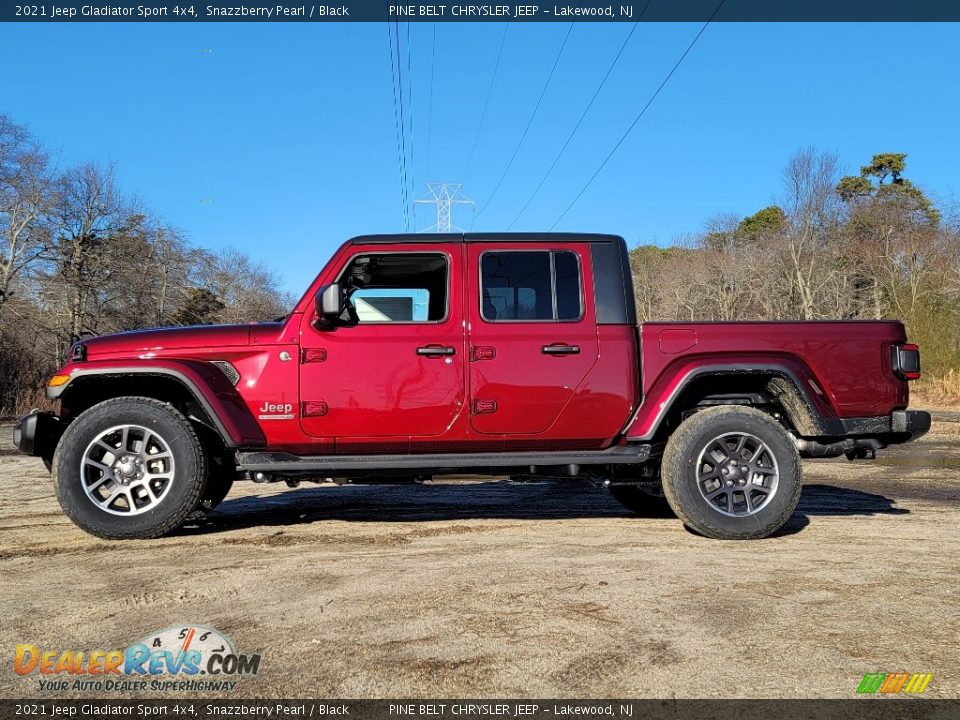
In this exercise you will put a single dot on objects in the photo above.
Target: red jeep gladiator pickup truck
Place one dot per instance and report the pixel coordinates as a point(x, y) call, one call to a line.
point(414, 356)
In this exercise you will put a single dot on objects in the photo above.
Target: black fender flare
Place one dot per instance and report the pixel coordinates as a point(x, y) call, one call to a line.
point(225, 410)
point(810, 417)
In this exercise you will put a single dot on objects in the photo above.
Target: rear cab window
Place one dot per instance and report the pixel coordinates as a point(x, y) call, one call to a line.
point(530, 286)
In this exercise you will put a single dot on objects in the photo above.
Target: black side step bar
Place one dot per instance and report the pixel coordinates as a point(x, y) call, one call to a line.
point(281, 462)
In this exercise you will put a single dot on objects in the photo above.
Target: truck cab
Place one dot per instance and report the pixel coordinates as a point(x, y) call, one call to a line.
point(502, 351)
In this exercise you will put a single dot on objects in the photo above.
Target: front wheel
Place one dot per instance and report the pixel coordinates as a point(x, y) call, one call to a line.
point(732, 473)
point(130, 467)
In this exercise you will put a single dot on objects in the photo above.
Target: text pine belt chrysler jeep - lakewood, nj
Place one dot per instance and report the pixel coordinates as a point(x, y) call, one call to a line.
point(416, 356)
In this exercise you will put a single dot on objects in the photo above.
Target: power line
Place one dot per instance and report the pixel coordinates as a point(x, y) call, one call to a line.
point(397, 117)
point(639, 115)
point(582, 116)
point(403, 129)
point(433, 55)
point(523, 135)
point(413, 164)
point(486, 102)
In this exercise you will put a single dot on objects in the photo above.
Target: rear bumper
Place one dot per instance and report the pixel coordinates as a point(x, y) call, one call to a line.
point(916, 423)
point(862, 437)
point(900, 426)
point(37, 434)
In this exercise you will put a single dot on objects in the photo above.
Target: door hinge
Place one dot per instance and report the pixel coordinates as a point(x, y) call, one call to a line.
point(483, 352)
point(313, 408)
point(313, 355)
point(484, 407)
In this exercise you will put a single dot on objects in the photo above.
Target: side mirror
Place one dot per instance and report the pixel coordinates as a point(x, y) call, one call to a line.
point(329, 303)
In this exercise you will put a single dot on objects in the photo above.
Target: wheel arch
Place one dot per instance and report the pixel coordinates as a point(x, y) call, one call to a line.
point(199, 390)
point(781, 387)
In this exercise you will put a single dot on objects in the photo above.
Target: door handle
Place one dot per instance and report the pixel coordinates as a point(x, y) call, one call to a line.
point(560, 349)
point(435, 350)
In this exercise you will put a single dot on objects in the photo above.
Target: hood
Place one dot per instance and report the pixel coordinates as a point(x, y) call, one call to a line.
point(158, 340)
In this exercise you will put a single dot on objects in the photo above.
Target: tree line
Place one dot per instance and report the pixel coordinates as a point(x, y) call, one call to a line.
point(80, 257)
point(867, 246)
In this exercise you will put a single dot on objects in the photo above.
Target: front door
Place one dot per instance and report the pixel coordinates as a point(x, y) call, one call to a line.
point(533, 338)
point(398, 371)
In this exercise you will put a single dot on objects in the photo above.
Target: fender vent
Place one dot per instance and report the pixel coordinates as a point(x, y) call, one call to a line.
point(229, 370)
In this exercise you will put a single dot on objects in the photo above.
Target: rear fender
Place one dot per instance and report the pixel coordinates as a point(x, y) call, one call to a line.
point(220, 403)
point(802, 397)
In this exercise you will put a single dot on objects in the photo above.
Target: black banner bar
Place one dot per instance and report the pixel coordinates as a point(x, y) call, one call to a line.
point(186, 11)
point(446, 709)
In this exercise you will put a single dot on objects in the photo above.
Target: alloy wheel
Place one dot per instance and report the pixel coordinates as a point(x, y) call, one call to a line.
point(737, 474)
point(127, 470)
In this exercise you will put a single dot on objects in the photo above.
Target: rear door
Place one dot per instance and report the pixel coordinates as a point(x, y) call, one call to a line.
point(532, 333)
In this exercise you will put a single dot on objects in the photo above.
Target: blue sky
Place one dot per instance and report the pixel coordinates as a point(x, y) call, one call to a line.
point(279, 139)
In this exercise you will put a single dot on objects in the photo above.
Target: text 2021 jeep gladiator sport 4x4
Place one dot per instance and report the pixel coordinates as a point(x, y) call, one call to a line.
point(414, 356)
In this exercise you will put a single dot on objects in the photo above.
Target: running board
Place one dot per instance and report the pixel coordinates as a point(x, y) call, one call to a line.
point(281, 462)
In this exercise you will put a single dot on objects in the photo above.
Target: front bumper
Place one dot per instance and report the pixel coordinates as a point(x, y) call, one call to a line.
point(37, 434)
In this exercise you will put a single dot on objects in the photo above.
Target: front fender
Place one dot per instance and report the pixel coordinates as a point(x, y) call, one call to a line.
point(220, 401)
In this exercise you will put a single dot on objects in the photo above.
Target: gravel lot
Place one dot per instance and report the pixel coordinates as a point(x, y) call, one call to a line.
point(501, 589)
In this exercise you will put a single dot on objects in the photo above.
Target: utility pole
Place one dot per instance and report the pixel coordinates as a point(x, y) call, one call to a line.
point(444, 196)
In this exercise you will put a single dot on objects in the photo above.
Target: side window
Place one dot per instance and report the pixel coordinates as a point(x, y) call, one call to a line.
point(530, 285)
point(398, 287)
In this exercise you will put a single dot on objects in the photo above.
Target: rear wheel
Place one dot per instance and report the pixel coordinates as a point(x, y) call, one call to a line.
point(129, 467)
point(732, 473)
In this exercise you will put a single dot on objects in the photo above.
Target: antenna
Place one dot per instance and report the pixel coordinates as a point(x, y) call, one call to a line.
point(444, 196)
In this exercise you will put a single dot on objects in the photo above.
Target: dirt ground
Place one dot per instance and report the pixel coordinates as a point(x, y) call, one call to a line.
point(501, 589)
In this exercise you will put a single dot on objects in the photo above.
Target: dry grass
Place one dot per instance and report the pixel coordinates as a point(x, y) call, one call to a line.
point(939, 393)
point(25, 400)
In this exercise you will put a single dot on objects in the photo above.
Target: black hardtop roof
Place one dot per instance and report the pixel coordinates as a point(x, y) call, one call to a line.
point(486, 237)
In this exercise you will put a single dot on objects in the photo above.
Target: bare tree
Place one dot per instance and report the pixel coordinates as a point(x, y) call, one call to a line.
point(90, 215)
point(25, 200)
point(809, 181)
point(246, 288)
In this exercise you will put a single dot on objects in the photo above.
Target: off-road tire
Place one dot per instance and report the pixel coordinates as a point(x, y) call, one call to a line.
point(186, 486)
point(679, 473)
point(642, 501)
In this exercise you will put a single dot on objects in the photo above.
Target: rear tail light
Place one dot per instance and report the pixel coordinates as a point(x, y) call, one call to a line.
point(906, 361)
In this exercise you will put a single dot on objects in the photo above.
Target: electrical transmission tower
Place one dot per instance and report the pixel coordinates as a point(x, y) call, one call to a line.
point(444, 196)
